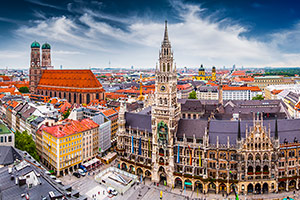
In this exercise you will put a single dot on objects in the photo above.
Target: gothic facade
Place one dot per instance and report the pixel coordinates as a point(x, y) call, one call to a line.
point(258, 155)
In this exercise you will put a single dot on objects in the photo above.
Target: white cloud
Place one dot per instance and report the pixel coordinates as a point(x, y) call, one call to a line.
point(195, 40)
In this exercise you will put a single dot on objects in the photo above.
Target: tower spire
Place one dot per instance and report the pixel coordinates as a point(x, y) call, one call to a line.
point(166, 37)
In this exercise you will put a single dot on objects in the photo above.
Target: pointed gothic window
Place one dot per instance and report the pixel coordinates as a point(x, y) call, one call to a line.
point(164, 67)
point(168, 67)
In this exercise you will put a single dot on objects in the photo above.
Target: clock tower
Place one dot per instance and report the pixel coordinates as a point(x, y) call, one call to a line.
point(165, 115)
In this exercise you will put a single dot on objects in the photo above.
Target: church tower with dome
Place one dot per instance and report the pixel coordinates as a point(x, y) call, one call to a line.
point(46, 56)
point(35, 71)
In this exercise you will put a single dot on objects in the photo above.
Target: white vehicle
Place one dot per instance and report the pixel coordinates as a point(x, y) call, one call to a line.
point(112, 191)
point(81, 172)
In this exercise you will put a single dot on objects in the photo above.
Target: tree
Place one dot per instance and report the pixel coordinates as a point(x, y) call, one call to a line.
point(24, 89)
point(24, 142)
point(66, 114)
point(193, 95)
point(258, 97)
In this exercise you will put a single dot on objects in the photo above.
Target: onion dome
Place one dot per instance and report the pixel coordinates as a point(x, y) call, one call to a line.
point(35, 44)
point(201, 68)
point(46, 46)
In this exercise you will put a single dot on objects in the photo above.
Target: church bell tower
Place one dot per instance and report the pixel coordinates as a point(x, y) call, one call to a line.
point(35, 71)
point(165, 115)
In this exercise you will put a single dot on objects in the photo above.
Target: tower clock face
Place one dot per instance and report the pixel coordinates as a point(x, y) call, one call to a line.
point(163, 88)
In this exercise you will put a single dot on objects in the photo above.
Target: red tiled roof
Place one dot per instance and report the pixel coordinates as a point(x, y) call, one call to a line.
point(5, 78)
point(244, 79)
point(109, 112)
point(65, 107)
point(70, 127)
point(11, 90)
point(276, 91)
point(184, 86)
point(112, 95)
point(239, 73)
point(97, 102)
point(71, 80)
point(254, 88)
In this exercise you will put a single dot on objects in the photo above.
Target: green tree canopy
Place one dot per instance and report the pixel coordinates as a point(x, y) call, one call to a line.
point(258, 97)
point(24, 142)
point(66, 114)
point(193, 95)
point(24, 89)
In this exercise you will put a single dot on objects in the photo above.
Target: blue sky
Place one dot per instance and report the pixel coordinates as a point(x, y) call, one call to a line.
point(94, 33)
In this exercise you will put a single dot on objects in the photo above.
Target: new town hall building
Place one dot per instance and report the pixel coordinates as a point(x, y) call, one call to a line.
point(193, 144)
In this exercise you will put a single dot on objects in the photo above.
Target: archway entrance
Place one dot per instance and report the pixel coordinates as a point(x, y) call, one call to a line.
point(188, 184)
point(257, 188)
point(148, 174)
point(139, 171)
point(292, 185)
point(198, 186)
point(131, 169)
point(211, 188)
point(163, 179)
point(250, 188)
point(281, 186)
point(265, 188)
point(222, 188)
point(178, 183)
point(124, 167)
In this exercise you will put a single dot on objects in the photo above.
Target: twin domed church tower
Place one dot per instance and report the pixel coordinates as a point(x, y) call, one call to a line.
point(36, 66)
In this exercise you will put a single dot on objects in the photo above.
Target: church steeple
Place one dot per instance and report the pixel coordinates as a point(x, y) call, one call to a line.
point(166, 54)
point(166, 37)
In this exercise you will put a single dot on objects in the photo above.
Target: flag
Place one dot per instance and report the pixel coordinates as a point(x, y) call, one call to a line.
point(149, 147)
point(140, 146)
point(190, 154)
point(132, 147)
point(178, 160)
point(200, 163)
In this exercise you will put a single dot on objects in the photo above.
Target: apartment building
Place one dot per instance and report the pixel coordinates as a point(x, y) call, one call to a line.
point(63, 147)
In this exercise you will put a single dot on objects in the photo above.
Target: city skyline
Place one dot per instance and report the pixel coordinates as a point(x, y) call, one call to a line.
point(117, 34)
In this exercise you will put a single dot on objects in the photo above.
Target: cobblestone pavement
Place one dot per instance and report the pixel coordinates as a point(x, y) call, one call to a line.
point(147, 191)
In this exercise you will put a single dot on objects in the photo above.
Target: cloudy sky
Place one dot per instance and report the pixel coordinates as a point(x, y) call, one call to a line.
point(124, 33)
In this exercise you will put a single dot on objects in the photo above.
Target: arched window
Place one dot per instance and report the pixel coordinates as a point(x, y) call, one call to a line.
point(164, 67)
point(80, 98)
point(64, 95)
point(75, 98)
point(69, 97)
point(97, 96)
point(257, 157)
point(88, 98)
point(250, 157)
point(50, 93)
point(168, 67)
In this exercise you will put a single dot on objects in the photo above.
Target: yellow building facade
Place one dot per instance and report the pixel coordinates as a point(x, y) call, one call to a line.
point(61, 146)
point(202, 76)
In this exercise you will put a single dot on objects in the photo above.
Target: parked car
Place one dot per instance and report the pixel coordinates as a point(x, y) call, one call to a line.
point(83, 168)
point(76, 174)
point(112, 191)
point(81, 172)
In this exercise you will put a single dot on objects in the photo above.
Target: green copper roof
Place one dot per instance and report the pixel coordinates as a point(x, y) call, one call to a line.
point(4, 129)
point(46, 46)
point(35, 44)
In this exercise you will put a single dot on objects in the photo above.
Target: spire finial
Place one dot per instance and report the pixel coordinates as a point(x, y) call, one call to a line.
point(166, 38)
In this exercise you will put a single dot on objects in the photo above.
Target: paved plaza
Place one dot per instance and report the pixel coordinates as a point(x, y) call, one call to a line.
point(147, 191)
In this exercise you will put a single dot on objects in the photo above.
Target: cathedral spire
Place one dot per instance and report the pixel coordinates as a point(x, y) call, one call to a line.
point(166, 37)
